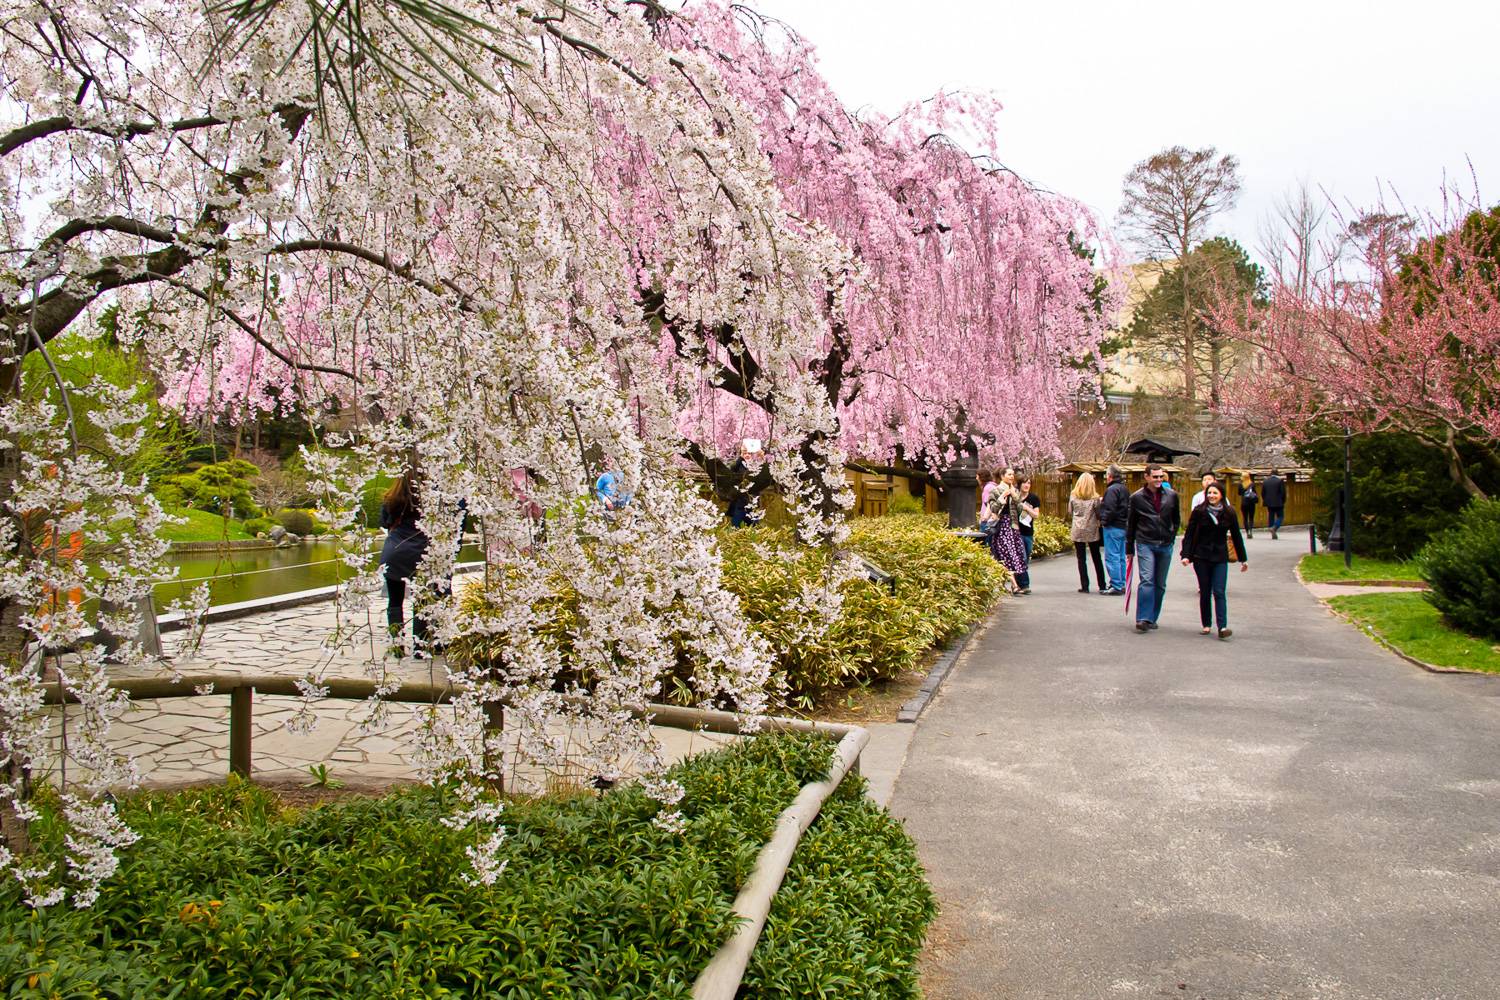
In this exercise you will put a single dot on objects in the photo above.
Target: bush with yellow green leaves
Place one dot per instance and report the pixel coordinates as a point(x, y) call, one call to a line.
point(1052, 536)
point(941, 584)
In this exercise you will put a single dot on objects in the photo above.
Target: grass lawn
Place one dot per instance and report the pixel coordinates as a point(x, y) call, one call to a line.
point(1328, 567)
point(202, 526)
point(1411, 625)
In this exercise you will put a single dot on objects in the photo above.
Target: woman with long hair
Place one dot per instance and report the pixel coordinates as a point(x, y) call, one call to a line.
point(1086, 531)
point(405, 544)
point(1211, 543)
point(1004, 507)
point(1249, 500)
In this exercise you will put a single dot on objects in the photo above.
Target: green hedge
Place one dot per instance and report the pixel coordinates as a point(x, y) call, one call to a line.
point(942, 585)
point(226, 894)
point(1462, 565)
point(1052, 535)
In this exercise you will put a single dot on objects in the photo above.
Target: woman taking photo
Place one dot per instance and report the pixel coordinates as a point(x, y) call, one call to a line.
point(1004, 508)
point(1083, 507)
point(1211, 543)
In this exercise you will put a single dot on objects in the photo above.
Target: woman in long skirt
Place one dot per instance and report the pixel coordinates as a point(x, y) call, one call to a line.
point(1005, 542)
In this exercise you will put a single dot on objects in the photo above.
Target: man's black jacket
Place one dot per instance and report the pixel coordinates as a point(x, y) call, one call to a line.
point(1273, 492)
point(1113, 509)
point(1146, 524)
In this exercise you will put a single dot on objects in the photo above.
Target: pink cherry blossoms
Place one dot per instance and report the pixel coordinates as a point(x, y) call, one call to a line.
point(1385, 336)
point(967, 296)
point(625, 221)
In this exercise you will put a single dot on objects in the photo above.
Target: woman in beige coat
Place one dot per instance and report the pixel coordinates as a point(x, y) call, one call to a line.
point(1083, 506)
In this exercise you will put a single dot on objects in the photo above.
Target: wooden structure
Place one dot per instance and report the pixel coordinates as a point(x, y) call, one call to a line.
point(873, 491)
point(1302, 496)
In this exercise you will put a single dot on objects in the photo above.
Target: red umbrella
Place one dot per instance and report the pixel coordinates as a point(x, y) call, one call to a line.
point(1129, 570)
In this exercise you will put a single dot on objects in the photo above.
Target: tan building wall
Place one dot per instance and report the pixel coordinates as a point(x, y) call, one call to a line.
point(1129, 371)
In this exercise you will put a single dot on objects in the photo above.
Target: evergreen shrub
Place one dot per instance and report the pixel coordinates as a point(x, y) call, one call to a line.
point(1403, 494)
point(258, 526)
point(222, 488)
point(1462, 566)
point(300, 522)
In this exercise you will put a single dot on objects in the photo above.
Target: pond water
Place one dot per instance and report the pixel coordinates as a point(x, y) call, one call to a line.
point(236, 575)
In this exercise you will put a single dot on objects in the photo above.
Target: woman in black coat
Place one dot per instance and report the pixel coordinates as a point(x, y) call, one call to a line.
point(1212, 542)
point(405, 544)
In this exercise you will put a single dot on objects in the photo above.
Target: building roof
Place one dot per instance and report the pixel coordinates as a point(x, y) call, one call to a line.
point(1151, 448)
point(1125, 467)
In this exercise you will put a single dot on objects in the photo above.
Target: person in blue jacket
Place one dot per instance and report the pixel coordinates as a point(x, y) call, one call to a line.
point(607, 491)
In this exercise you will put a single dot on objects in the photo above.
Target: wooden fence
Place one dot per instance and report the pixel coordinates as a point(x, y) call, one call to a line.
point(1302, 496)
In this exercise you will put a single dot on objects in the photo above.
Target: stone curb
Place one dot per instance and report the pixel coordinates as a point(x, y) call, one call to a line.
point(912, 710)
point(1382, 642)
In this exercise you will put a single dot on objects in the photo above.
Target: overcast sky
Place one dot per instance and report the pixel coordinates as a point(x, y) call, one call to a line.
point(1343, 94)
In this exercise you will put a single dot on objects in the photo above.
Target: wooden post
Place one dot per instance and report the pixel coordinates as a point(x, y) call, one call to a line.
point(241, 719)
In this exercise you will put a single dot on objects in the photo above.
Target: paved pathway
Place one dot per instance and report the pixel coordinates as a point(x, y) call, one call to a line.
point(1293, 813)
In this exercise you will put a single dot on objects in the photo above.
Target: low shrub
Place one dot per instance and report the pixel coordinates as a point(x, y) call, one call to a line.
point(228, 894)
point(1462, 565)
point(1052, 535)
point(258, 526)
point(905, 503)
point(300, 522)
point(941, 585)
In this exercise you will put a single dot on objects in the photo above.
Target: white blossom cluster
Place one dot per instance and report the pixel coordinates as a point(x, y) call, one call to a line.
point(460, 270)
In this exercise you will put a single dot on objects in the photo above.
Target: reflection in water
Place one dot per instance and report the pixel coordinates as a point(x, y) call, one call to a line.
point(246, 574)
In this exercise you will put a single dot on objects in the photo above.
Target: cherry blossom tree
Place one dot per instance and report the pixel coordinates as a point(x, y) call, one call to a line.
point(1384, 337)
point(973, 292)
point(464, 266)
point(970, 299)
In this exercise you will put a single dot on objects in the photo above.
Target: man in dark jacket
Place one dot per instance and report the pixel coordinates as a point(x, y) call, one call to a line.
point(1113, 512)
point(1273, 495)
point(1151, 532)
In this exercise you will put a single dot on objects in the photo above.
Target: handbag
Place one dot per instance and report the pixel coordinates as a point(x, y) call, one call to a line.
point(1234, 554)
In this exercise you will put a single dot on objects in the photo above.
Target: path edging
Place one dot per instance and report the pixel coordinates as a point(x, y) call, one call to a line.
point(912, 710)
point(1384, 643)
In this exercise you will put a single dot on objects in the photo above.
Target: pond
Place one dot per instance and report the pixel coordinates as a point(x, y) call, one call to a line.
point(236, 575)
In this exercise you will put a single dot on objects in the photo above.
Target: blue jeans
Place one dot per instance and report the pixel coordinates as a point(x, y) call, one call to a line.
point(1213, 580)
point(1151, 563)
point(1274, 516)
point(1114, 557)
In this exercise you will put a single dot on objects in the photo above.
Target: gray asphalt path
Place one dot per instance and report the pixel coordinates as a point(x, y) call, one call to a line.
point(1291, 813)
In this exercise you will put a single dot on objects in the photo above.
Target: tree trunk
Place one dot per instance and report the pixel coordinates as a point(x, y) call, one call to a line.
point(1189, 341)
point(1457, 470)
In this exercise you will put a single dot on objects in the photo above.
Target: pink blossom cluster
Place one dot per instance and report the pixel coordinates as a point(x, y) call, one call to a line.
point(1383, 335)
point(966, 295)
